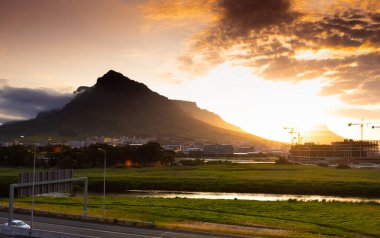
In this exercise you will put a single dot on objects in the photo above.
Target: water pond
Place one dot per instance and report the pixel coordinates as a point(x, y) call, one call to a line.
point(243, 196)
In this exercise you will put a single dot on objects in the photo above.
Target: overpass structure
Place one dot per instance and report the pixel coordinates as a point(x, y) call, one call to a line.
point(12, 188)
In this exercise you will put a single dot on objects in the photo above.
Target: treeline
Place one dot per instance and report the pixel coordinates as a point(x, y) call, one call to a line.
point(61, 156)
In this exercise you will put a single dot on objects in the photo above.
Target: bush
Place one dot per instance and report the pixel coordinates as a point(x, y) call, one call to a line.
point(192, 162)
point(283, 160)
point(343, 166)
point(219, 162)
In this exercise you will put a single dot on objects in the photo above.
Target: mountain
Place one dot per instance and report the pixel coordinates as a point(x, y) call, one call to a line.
point(321, 134)
point(191, 109)
point(119, 106)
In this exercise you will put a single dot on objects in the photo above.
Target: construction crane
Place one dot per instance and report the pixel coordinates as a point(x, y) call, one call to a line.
point(361, 124)
point(292, 132)
point(373, 127)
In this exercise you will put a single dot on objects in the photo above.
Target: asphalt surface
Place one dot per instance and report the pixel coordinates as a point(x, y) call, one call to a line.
point(98, 230)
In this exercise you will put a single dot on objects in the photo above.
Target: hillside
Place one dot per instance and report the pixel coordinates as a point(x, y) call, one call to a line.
point(119, 106)
point(191, 109)
point(321, 134)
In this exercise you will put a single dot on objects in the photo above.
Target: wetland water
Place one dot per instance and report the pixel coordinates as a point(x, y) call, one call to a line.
point(243, 196)
point(234, 161)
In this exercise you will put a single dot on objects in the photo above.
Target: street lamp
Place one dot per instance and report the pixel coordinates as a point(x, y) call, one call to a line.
point(33, 184)
point(104, 182)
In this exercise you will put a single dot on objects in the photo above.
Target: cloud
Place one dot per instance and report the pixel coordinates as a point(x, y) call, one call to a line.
point(182, 14)
point(169, 77)
point(295, 41)
point(25, 103)
point(175, 9)
point(238, 27)
point(364, 113)
point(240, 18)
point(3, 82)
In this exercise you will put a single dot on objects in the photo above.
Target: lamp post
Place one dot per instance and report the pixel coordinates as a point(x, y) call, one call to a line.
point(104, 182)
point(33, 186)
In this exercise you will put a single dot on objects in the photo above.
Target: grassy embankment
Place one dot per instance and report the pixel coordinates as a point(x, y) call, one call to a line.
point(287, 219)
point(256, 178)
point(265, 219)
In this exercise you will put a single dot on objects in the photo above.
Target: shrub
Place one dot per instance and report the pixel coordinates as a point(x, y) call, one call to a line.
point(343, 166)
point(192, 162)
point(283, 160)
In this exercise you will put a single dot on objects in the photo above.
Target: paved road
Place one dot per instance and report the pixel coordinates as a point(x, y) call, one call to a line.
point(97, 230)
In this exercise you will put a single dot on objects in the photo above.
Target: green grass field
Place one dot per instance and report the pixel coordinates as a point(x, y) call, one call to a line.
point(253, 178)
point(265, 219)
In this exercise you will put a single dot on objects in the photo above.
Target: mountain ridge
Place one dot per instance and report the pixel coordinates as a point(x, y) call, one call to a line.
point(192, 109)
point(321, 134)
point(117, 106)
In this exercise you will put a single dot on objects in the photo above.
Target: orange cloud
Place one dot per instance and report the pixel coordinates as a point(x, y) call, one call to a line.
point(177, 13)
point(279, 41)
point(176, 9)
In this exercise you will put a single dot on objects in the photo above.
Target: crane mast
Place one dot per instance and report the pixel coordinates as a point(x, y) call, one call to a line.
point(361, 124)
point(292, 132)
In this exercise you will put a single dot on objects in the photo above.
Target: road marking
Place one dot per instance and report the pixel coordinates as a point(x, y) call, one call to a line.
point(89, 229)
point(65, 233)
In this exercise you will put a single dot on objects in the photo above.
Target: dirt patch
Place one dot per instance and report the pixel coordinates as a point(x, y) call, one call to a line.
point(232, 229)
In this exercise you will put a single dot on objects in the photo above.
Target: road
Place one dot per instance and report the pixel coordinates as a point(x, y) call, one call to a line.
point(98, 230)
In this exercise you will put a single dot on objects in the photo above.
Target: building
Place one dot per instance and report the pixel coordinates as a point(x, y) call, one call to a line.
point(348, 151)
point(175, 148)
point(244, 149)
point(79, 143)
point(218, 149)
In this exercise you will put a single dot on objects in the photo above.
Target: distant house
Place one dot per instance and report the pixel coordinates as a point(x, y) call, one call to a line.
point(218, 149)
point(175, 148)
point(79, 143)
point(244, 149)
point(192, 150)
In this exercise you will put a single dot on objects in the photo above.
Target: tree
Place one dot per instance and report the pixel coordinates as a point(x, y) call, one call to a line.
point(68, 163)
point(149, 153)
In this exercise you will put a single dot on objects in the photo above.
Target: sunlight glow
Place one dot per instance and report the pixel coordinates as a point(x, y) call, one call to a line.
point(258, 106)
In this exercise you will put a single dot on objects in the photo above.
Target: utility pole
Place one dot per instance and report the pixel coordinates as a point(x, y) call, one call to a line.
point(104, 182)
point(33, 187)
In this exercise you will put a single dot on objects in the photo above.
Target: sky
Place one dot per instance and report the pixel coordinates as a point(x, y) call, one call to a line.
point(261, 65)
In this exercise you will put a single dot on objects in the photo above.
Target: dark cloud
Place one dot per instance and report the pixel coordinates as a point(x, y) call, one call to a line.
point(267, 35)
point(81, 89)
point(240, 18)
point(241, 22)
point(26, 103)
point(361, 81)
point(341, 30)
point(375, 17)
